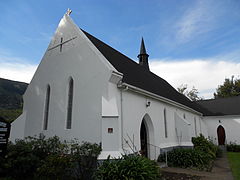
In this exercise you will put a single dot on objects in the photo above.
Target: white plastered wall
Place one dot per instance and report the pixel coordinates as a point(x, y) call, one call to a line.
point(231, 124)
point(90, 71)
point(134, 109)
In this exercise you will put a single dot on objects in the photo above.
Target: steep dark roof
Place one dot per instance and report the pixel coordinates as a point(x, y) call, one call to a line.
point(138, 76)
point(221, 106)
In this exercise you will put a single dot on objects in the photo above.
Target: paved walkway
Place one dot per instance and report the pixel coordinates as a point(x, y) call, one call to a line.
point(221, 171)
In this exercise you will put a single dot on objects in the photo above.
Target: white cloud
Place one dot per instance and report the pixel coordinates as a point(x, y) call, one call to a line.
point(205, 75)
point(17, 71)
point(196, 20)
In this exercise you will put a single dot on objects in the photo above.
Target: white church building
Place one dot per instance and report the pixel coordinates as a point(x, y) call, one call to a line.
point(85, 89)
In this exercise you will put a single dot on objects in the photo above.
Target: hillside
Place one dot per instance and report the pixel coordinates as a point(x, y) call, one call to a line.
point(11, 98)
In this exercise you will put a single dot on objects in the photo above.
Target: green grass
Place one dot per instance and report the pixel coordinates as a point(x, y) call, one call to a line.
point(234, 160)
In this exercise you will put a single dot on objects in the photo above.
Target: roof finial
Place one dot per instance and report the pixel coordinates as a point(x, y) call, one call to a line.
point(69, 11)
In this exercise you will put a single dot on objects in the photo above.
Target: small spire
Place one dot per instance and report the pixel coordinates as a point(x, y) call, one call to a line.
point(69, 11)
point(142, 49)
point(143, 56)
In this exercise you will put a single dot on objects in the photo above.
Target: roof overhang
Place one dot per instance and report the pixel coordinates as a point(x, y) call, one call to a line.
point(132, 88)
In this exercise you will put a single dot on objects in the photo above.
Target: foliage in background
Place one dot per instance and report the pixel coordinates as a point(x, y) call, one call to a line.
point(10, 114)
point(11, 94)
point(230, 87)
point(191, 94)
point(11, 101)
point(234, 161)
point(128, 167)
point(49, 158)
point(233, 147)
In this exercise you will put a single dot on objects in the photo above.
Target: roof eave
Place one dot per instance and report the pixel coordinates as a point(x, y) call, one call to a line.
point(157, 97)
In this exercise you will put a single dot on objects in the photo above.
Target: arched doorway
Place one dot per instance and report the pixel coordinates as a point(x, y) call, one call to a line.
point(221, 135)
point(144, 141)
point(147, 137)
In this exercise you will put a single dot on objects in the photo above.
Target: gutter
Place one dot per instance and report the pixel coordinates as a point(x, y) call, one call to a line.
point(157, 97)
point(221, 116)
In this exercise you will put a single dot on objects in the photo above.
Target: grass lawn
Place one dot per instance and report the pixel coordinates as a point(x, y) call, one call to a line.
point(234, 160)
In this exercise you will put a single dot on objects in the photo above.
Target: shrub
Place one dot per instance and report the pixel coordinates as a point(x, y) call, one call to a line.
point(200, 157)
point(49, 158)
point(187, 158)
point(42, 147)
point(85, 158)
point(128, 167)
point(202, 144)
point(233, 147)
point(20, 161)
point(56, 167)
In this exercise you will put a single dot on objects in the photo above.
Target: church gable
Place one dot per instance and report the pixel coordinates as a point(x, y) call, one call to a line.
point(58, 103)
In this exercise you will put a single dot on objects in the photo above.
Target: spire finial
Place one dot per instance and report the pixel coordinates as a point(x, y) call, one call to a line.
point(69, 11)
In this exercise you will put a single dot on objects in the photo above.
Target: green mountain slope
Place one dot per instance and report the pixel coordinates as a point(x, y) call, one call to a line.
point(11, 98)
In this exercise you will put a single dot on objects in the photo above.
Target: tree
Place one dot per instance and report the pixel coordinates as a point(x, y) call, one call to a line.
point(191, 94)
point(230, 87)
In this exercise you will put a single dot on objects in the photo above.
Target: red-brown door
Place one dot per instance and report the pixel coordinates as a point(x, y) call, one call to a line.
point(221, 135)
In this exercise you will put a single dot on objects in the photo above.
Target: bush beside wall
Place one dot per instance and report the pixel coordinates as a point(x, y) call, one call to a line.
point(128, 167)
point(38, 157)
point(200, 157)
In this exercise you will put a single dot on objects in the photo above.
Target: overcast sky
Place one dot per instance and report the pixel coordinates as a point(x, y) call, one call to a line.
point(194, 42)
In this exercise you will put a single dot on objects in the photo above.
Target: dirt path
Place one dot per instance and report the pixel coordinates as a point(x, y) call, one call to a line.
point(221, 171)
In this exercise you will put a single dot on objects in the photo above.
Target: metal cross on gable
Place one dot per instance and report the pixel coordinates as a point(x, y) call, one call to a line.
point(62, 43)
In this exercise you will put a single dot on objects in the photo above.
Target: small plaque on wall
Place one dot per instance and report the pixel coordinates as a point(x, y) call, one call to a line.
point(110, 130)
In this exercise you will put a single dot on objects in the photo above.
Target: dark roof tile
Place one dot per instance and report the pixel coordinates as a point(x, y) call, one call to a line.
point(221, 106)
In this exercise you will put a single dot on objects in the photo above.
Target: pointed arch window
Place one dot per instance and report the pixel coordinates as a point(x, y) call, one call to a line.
point(46, 110)
point(195, 126)
point(70, 104)
point(165, 122)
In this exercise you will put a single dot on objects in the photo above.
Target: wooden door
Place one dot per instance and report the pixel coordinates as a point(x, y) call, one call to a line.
point(221, 135)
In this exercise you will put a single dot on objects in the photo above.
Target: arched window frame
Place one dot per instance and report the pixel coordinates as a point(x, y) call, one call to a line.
point(70, 103)
point(46, 108)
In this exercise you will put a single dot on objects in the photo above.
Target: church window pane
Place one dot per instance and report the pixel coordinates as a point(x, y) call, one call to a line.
point(165, 122)
point(46, 111)
point(70, 104)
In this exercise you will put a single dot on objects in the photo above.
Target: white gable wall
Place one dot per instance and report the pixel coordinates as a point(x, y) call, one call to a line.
point(231, 124)
point(80, 60)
